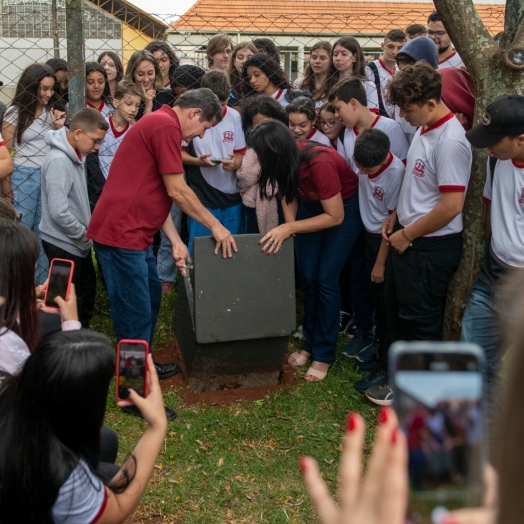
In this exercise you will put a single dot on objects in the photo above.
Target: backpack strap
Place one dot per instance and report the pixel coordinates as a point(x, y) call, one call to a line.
point(381, 108)
point(492, 163)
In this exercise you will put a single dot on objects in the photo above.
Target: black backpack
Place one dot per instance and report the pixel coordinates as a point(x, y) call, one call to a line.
point(381, 109)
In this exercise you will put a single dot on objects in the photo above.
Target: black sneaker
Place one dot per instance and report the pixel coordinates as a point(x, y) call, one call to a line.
point(372, 380)
point(358, 344)
point(133, 410)
point(352, 330)
point(368, 354)
point(167, 370)
point(345, 322)
point(381, 395)
point(371, 366)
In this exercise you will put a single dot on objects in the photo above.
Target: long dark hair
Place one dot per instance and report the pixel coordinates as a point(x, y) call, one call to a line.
point(50, 418)
point(98, 68)
point(235, 78)
point(19, 252)
point(26, 95)
point(279, 159)
point(261, 105)
point(309, 82)
point(162, 45)
point(269, 67)
point(116, 61)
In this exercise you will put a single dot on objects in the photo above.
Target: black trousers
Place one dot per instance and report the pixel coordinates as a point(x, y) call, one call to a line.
point(415, 289)
point(84, 279)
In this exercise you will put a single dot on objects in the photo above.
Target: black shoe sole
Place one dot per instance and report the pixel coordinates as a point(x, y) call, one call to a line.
point(133, 410)
point(163, 376)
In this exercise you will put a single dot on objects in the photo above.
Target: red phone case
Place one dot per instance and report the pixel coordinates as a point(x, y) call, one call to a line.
point(72, 264)
point(146, 371)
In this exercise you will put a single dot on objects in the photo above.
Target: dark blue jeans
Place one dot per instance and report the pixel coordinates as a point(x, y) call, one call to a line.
point(321, 256)
point(134, 290)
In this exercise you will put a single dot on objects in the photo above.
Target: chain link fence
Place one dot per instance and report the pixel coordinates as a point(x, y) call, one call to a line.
point(36, 31)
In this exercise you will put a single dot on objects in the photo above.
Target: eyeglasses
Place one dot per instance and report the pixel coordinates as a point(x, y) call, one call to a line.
point(328, 123)
point(96, 141)
point(436, 33)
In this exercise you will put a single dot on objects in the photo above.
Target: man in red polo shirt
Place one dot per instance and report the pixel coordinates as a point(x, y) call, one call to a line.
point(146, 176)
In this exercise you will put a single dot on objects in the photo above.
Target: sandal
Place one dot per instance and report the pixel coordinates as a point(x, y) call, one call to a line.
point(297, 360)
point(318, 375)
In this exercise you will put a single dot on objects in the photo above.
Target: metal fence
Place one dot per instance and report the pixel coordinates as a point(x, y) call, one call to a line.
point(77, 31)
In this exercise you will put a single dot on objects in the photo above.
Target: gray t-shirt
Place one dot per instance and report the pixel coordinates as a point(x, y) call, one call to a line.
point(81, 499)
point(32, 149)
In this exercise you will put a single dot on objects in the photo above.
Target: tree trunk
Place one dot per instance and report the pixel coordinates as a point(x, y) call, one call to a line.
point(492, 76)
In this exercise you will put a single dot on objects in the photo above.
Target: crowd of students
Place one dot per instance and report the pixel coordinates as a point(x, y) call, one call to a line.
point(365, 165)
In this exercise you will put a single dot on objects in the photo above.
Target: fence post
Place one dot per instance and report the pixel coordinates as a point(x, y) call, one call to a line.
point(75, 55)
point(54, 31)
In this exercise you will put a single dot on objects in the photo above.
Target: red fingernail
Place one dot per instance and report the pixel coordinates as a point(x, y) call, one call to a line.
point(352, 421)
point(303, 464)
point(383, 416)
point(394, 436)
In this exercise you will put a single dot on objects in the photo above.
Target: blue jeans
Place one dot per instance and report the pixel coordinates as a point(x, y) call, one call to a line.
point(25, 184)
point(321, 256)
point(134, 290)
point(231, 218)
point(165, 262)
point(481, 326)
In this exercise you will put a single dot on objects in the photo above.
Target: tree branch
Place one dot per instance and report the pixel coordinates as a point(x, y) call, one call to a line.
point(512, 19)
point(467, 31)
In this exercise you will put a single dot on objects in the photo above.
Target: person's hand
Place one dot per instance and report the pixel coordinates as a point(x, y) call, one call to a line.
point(399, 242)
point(148, 96)
point(381, 496)
point(462, 118)
point(387, 227)
point(58, 118)
point(224, 240)
point(9, 197)
point(229, 165)
point(485, 515)
point(274, 239)
point(181, 255)
point(205, 162)
point(377, 273)
point(151, 407)
point(67, 309)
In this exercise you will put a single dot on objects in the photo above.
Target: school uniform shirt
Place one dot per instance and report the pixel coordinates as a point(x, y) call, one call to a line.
point(110, 144)
point(506, 196)
point(398, 143)
point(385, 75)
point(371, 94)
point(439, 161)
point(280, 97)
point(32, 149)
point(325, 176)
point(378, 193)
point(2, 143)
point(215, 187)
point(453, 60)
point(316, 136)
point(134, 204)
point(105, 108)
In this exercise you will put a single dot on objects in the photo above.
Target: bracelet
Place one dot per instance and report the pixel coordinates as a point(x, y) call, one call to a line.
point(406, 238)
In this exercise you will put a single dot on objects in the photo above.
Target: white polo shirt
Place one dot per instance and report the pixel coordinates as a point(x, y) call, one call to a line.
point(222, 140)
point(453, 60)
point(378, 193)
point(280, 97)
point(439, 161)
point(385, 75)
point(506, 196)
point(105, 108)
point(316, 136)
point(398, 143)
point(110, 144)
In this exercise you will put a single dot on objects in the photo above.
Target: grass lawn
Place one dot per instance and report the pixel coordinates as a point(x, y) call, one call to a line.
point(239, 463)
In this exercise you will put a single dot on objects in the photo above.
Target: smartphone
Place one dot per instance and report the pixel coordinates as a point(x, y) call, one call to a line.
point(438, 397)
point(216, 160)
point(60, 277)
point(131, 368)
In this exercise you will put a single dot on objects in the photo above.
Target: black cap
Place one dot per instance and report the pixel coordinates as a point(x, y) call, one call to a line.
point(503, 117)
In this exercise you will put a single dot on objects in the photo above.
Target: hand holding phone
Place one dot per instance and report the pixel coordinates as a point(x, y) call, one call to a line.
point(131, 368)
point(59, 281)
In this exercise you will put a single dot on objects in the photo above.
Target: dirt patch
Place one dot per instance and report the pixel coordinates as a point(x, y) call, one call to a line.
point(169, 353)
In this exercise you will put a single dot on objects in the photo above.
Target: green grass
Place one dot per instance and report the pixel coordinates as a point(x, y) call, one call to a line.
point(240, 463)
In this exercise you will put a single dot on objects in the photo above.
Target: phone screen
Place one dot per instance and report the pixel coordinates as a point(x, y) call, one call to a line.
point(440, 410)
point(58, 282)
point(131, 368)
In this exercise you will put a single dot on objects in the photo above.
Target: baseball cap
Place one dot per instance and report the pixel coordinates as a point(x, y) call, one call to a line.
point(503, 117)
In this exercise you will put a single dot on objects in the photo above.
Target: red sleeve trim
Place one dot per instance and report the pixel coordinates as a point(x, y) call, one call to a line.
point(374, 110)
point(486, 200)
point(184, 148)
point(2, 143)
point(240, 151)
point(452, 189)
point(391, 211)
point(102, 508)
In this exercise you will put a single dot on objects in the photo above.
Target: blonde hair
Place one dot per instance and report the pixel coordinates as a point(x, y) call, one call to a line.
point(136, 59)
point(216, 44)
